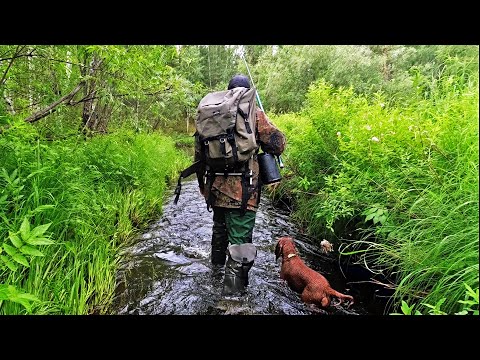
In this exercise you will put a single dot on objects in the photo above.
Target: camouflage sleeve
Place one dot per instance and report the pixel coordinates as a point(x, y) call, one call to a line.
point(271, 139)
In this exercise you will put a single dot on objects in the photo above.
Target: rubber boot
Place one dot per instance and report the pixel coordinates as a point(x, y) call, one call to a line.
point(219, 240)
point(239, 262)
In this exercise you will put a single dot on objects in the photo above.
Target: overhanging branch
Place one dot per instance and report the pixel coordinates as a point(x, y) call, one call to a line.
point(51, 108)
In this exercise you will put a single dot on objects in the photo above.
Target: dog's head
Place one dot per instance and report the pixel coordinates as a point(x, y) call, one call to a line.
point(284, 244)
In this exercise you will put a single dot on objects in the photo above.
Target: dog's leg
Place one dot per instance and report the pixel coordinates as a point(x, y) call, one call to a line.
point(321, 299)
point(342, 297)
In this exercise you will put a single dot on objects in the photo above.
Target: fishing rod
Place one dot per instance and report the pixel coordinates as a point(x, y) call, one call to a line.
point(251, 79)
point(280, 163)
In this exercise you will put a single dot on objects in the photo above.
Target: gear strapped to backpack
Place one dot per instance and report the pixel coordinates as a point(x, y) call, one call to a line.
point(225, 129)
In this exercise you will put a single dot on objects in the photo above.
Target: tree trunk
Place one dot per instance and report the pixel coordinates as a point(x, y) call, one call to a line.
point(68, 65)
point(157, 123)
point(103, 117)
point(30, 88)
point(387, 66)
point(9, 102)
point(89, 115)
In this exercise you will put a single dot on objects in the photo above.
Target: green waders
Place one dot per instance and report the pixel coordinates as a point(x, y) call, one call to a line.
point(230, 226)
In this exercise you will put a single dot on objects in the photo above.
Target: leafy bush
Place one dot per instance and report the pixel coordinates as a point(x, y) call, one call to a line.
point(67, 208)
point(410, 172)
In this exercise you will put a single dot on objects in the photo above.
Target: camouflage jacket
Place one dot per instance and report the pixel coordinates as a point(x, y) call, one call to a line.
point(227, 191)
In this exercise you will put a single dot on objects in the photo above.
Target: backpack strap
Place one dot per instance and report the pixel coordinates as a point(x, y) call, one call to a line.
point(245, 117)
point(183, 174)
point(209, 179)
point(247, 176)
point(205, 148)
point(246, 179)
point(233, 144)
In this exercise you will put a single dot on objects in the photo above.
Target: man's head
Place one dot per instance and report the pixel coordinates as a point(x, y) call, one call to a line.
point(239, 80)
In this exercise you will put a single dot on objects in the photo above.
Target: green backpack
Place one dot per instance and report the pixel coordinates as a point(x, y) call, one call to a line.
point(226, 129)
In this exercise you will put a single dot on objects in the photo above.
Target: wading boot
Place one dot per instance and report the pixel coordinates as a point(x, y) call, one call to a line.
point(239, 262)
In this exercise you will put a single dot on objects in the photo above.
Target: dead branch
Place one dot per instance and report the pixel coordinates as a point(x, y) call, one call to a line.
point(51, 108)
point(17, 54)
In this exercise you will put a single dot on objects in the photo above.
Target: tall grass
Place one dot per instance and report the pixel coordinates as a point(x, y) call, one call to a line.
point(96, 194)
point(407, 176)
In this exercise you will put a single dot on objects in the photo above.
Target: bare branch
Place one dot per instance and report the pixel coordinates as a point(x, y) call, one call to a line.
point(18, 50)
point(51, 108)
point(17, 54)
point(62, 61)
point(88, 98)
point(67, 98)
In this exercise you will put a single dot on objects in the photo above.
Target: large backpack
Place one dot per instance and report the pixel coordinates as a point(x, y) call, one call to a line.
point(225, 127)
point(226, 131)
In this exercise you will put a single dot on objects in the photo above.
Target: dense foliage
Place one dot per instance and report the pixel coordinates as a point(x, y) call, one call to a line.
point(406, 174)
point(382, 143)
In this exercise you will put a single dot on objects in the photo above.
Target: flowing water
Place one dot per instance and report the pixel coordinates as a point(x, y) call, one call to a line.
point(168, 270)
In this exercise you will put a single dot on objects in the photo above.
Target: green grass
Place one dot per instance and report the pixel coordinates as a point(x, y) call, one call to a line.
point(96, 194)
point(413, 169)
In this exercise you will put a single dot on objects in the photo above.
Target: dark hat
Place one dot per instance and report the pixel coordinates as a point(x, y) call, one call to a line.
point(239, 80)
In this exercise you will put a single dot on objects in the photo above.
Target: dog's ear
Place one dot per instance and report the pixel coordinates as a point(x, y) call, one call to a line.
point(278, 251)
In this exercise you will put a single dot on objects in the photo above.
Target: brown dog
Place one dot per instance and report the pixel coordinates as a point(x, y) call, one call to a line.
point(312, 286)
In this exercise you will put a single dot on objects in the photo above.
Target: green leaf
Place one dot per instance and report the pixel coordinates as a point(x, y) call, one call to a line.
point(463, 312)
point(3, 292)
point(12, 266)
point(9, 249)
point(30, 250)
point(369, 217)
point(472, 293)
point(369, 211)
point(467, 302)
point(23, 300)
point(20, 259)
point(354, 252)
point(382, 219)
point(405, 308)
point(25, 229)
point(28, 296)
point(39, 230)
point(39, 241)
point(4, 174)
point(15, 240)
point(69, 246)
point(42, 208)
